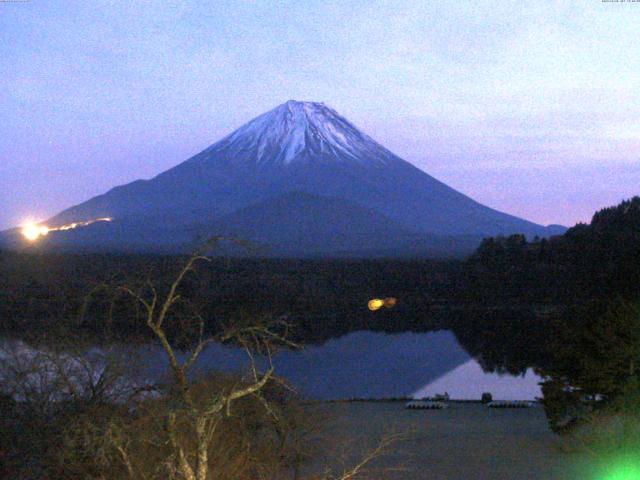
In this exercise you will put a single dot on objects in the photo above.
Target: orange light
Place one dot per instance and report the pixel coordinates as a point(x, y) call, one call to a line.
point(375, 304)
point(33, 231)
point(390, 302)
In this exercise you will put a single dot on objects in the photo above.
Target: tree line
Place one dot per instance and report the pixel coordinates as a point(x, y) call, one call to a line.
point(583, 290)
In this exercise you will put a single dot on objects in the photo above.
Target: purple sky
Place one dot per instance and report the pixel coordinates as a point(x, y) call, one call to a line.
point(533, 109)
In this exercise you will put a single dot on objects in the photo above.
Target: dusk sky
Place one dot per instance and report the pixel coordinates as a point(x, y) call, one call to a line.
point(532, 108)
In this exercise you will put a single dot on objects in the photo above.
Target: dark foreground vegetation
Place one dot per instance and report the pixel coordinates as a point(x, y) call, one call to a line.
point(587, 285)
point(73, 412)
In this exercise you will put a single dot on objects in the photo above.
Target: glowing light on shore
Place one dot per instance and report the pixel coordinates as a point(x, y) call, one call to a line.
point(33, 231)
point(375, 304)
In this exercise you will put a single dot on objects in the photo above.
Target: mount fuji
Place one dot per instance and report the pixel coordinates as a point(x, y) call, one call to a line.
point(299, 180)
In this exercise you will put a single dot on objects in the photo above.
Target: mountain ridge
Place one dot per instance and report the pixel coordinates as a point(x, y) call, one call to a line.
point(304, 147)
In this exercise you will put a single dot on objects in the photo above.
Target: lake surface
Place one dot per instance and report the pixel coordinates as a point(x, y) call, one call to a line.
point(358, 365)
point(469, 382)
point(375, 365)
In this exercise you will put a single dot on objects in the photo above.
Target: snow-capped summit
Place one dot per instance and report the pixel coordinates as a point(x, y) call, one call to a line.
point(300, 132)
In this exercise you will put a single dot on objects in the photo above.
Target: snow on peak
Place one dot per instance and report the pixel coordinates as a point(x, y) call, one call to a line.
point(300, 132)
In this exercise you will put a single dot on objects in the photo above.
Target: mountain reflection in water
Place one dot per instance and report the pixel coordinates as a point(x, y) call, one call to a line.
point(365, 365)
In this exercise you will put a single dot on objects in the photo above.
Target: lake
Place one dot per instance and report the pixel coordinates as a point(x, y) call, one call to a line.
point(376, 365)
point(364, 365)
point(467, 441)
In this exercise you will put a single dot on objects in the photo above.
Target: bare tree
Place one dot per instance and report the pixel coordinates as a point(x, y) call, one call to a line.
point(205, 415)
point(195, 428)
point(361, 469)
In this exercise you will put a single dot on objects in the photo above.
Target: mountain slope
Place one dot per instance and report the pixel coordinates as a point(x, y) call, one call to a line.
point(298, 224)
point(298, 147)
